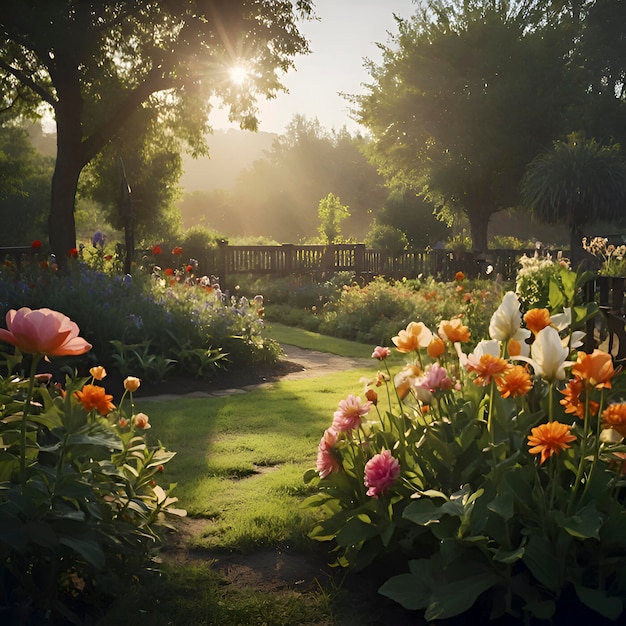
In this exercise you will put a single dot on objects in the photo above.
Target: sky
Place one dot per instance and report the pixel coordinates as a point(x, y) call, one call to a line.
point(347, 32)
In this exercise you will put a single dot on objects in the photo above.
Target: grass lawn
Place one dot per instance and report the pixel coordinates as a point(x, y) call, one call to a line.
point(238, 467)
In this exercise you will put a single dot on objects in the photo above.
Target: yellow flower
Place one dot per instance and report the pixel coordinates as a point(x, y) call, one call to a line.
point(131, 383)
point(551, 438)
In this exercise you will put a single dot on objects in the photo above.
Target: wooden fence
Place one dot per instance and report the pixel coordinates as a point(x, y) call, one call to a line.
point(322, 261)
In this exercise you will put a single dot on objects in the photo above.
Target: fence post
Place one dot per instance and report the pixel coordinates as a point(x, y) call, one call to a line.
point(359, 260)
point(222, 246)
point(289, 254)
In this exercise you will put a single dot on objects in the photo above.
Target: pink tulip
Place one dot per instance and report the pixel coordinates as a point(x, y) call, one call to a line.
point(43, 331)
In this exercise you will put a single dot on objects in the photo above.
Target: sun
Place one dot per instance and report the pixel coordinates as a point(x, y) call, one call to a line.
point(238, 74)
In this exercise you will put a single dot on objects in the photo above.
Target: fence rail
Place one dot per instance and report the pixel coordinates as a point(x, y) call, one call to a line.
point(322, 261)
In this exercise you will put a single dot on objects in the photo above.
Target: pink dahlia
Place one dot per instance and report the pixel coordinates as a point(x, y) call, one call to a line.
point(381, 471)
point(327, 462)
point(348, 415)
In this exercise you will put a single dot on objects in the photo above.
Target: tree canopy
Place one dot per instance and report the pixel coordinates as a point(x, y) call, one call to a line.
point(94, 64)
point(466, 95)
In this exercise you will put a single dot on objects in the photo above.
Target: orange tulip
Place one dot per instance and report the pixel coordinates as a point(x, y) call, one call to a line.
point(596, 369)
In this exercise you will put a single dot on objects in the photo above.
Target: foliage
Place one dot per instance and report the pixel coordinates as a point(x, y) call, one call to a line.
point(465, 96)
point(611, 257)
point(125, 58)
point(331, 214)
point(534, 278)
point(150, 324)
point(81, 508)
point(278, 195)
point(575, 183)
point(371, 313)
point(24, 187)
point(385, 237)
point(495, 477)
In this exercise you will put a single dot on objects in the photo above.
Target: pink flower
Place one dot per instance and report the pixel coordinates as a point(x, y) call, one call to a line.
point(348, 415)
point(381, 353)
point(141, 421)
point(435, 377)
point(381, 471)
point(43, 331)
point(327, 462)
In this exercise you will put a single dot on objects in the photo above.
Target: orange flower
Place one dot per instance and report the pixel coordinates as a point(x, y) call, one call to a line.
point(514, 347)
point(459, 276)
point(537, 319)
point(572, 402)
point(487, 368)
point(549, 439)
point(515, 382)
point(98, 372)
point(614, 416)
point(436, 347)
point(95, 397)
point(415, 336)
point(596, 369)
point(453, 330)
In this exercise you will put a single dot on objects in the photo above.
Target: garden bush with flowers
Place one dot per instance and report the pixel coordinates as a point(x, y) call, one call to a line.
point(491, 478)
point(152, 324)
point(82, 507)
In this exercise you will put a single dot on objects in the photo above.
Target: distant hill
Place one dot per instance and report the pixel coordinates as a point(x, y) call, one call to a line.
point(231, 151)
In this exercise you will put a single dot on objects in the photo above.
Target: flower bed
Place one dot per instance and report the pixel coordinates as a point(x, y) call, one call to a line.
point(493, 476)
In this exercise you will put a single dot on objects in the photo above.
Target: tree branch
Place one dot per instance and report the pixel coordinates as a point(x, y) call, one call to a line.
point(30, 83)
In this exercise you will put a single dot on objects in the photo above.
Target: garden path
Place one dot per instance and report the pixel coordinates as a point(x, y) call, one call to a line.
point(297, 364)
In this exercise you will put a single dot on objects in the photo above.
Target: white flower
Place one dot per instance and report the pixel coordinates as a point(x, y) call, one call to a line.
point(548, 356)
point(506, 322)
point(562, 321)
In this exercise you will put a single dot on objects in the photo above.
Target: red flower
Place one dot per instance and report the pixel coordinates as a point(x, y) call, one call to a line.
point(169, 271)
point(108, 257)
point(72, 252)
point(189, 269)
point(36, 244)
point(177, 251)
point(156, 250)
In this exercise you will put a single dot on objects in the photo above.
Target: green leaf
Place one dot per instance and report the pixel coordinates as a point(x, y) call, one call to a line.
point(423, 512)
point(407, 590)
point(454, 598)
point(87, 548)
point(585, 524)
point(609, 607)
point(502, 505)
point(356, 530)
point(541, 562)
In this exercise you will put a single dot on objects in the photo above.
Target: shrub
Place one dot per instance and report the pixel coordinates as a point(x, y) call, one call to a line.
point(151, 325)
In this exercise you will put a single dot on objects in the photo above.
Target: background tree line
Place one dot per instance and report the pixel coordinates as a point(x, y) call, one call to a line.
point(468, 95)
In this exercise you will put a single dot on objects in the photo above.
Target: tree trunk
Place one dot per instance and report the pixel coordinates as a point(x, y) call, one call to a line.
point(70, 154)
point(576, 250)
point(479, 223)
point(61, 224)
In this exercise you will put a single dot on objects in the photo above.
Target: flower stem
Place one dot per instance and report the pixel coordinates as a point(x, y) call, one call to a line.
point(27, 403)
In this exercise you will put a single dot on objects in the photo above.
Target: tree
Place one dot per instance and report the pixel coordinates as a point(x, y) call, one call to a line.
point(278, 195)
point(331, 213)
point(94, 64)
point(466, 95)
point(24, 187)
point(576, 183)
